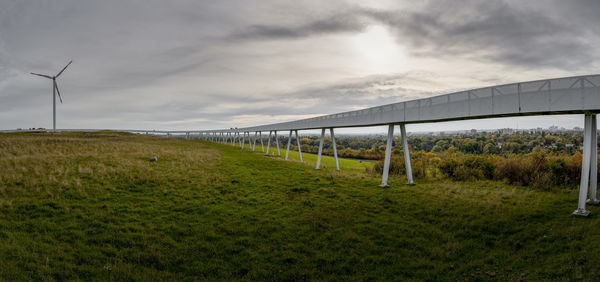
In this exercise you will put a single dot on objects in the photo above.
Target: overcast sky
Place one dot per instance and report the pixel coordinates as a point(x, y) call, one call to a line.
point(157, 64)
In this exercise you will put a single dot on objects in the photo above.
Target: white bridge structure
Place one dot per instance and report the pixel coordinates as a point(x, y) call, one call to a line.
point(568, 95)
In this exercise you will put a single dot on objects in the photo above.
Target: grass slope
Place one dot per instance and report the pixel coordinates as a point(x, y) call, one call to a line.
point(91, 206)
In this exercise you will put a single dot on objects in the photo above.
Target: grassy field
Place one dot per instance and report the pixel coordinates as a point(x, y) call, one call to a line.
point(327, 162)
point(92, 207)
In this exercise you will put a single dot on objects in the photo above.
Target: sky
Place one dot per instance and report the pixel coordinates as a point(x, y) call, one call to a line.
point(190, 65)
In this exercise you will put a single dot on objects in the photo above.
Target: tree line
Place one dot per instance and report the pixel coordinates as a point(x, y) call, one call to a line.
point(484, 143)
point(540, 159)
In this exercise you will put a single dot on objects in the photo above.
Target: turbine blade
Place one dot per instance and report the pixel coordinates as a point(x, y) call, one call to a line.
point(64, 68)
point(58, 91)
point(42, 75)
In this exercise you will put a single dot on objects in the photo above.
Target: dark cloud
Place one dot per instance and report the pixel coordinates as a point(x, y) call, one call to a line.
point(492, 31)
point(349, 22)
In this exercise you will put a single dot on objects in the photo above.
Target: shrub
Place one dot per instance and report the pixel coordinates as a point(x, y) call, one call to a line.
point(468, 167)
point(421, 163)
point(535, 169)
point(510, 170)
point(396, 166)
point(539, 169)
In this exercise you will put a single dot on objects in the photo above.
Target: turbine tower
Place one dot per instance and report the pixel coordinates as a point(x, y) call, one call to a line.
point(54, 92)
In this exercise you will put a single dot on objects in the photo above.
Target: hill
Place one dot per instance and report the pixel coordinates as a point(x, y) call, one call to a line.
point(91, 206)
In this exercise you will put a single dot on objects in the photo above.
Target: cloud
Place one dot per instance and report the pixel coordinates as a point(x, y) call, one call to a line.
point(492, 31)
point(339, 23)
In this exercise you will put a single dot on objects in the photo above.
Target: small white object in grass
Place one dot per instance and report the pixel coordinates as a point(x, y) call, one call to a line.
point(153, 159)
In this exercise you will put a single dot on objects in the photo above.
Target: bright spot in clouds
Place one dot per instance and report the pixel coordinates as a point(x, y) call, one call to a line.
point(377, 52)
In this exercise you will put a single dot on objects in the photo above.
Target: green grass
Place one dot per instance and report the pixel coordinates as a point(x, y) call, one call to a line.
point(327, 162)
point(91, 207)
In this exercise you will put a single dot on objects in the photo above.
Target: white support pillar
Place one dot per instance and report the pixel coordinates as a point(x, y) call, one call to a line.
point(585, 167)
point(406, 154)
point(594, 163)
point(320, 149)
point(254, 141)
point(287, 151)
point(261, 141)
point(277, 143)
point(388, 156)
point(240, 138)
point(337, 163)
point(244, 140)
point(298, 142)
point(269, 143)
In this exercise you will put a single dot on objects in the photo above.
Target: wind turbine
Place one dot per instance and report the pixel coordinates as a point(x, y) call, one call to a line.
point(54, 91)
